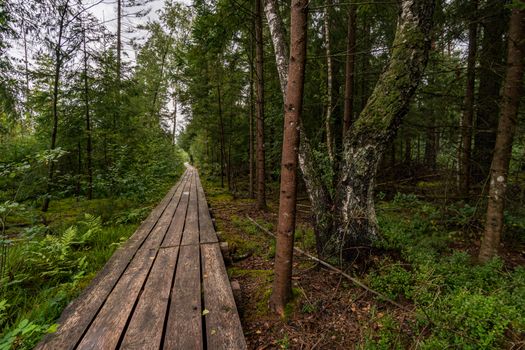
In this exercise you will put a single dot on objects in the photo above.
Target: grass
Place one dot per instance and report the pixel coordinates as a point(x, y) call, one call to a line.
point(50, 266)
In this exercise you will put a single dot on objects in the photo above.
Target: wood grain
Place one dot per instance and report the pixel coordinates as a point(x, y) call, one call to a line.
point(145, 329)
point(206, 229)
point(191, 228)
point(223, 327)
point(107, 327)
point(184, 326)
point(78, 315)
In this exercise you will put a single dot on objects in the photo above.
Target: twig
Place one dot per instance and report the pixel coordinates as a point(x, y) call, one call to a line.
point(335, 269)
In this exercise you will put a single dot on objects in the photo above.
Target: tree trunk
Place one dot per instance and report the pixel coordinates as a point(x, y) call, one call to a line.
point(329, 79)
point(56, 82)
point(282, 285)
point(349, 76)
point(468, 105)
point(259, 52)
point(507, 125)
point(408, 151)
point(280, 45)
point(119, 42)
point(365, 63)
point(251, 115)
point(376, 126)
point(221, 138)
point(174, 132)
point(89, 147)
point(490, 77)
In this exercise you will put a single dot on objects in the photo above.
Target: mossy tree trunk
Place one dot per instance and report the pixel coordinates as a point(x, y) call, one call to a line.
point(348, 218)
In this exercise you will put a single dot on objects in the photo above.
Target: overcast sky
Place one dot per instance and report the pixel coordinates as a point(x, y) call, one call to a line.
point(106, 12)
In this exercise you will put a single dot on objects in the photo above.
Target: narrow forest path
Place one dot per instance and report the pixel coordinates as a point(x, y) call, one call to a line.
point(166, 287)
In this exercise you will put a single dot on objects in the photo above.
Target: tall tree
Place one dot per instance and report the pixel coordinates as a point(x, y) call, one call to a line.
point(349, 74)
point(329, 81)
point(59, 54)
point(282, 286)
point(499, 169)
point(468, 104)
point(259, 73)
point(494, 22)
point(354, 222)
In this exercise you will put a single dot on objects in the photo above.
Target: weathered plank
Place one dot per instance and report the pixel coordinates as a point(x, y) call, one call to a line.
point(174, 234)
point(191, 227)
point(145, 329)
point(107, 327)
point(184, 326)
point(223, 327)
point(206, 229)
point(78, 315)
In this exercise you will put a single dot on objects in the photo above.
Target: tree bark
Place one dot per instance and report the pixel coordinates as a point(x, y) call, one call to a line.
point(259, 52)
point(339, 222)
point(174, 131)
point(221, 129)
point(251, 189)
point(280, 45)
point(56, 82)
point(376, 126)
point(490, 76)
point(282, 286)
point(89, 147)
point(329, 79)
point(349, 76)
point(119, 42)
point(507, 125)
point(468, 104)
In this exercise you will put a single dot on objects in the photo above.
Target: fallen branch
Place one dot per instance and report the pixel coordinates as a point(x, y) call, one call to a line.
point(335, 269)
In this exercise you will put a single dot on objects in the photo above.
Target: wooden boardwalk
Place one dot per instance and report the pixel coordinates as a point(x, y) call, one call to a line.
point(165, 288)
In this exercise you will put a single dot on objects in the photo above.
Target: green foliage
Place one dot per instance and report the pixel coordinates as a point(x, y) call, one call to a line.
point(459, 303)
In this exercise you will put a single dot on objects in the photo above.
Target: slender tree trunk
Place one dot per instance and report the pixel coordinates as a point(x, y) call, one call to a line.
point(491, 71)
point(507, 125)
point(408, 150)
point(56, 82)
point(79, 169)
point(365, 63)
point(221, 128)
point(259, 52)
point(174, 132)
point(89, 147)
point(280, 45)
point(116, 116)
point(26, 73)
point(350, 63)
point(468, 104)
point(329, 79)
point(251, 56)
point(119, 42)
point(282, 286)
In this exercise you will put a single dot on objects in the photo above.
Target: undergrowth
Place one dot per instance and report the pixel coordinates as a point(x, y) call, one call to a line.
point(457, 303)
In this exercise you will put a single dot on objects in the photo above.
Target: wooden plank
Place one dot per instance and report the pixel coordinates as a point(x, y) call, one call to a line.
point(78, 315)
point(206, 229)
point(174, 234)
point(184, 326)
point(191, 227)
point(108, 325)
point(223, 326)
point(145, 329)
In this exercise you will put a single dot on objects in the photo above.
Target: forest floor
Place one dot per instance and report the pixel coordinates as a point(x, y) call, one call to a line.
point(426, 263)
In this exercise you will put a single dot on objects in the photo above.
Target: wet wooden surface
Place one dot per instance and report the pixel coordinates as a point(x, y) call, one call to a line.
point(166, 287)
